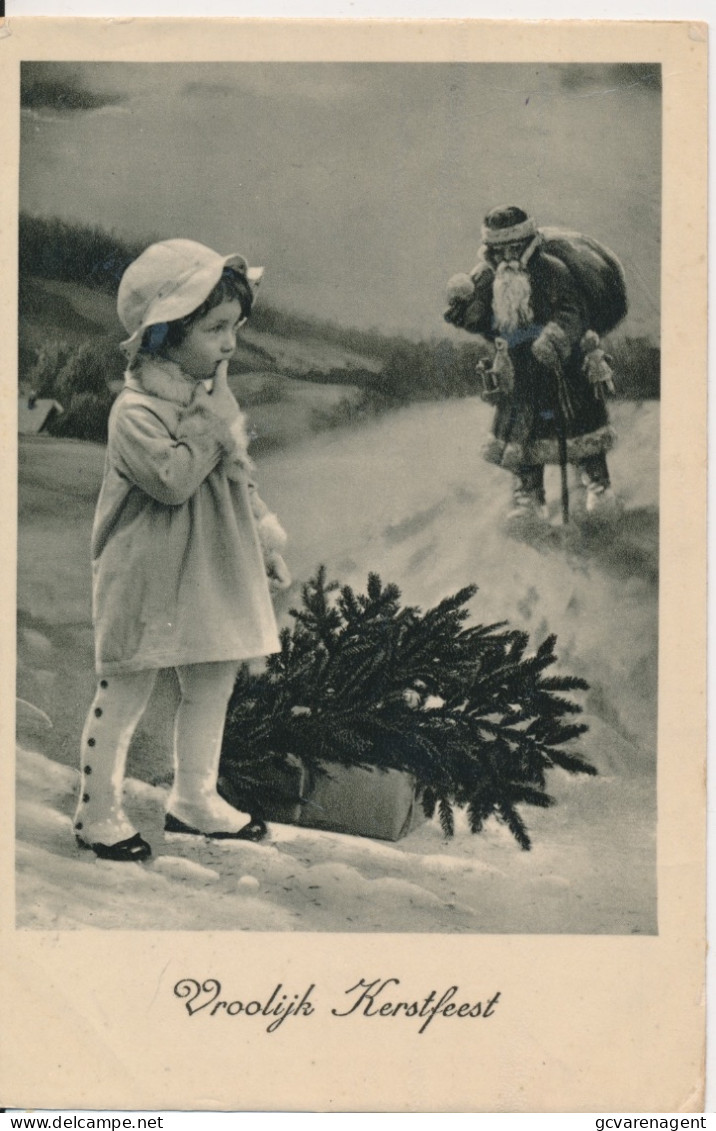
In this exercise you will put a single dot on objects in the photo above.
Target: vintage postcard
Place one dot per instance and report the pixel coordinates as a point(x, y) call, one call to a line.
point(354, 402)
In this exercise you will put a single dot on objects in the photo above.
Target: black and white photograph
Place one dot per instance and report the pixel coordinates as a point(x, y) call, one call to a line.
point(376, 640)
point(344, 504)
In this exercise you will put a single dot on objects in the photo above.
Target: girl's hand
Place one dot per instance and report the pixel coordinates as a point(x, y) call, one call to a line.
point(222, 399)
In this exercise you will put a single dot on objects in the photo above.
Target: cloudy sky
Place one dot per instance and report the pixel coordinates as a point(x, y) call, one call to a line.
point(361, 187)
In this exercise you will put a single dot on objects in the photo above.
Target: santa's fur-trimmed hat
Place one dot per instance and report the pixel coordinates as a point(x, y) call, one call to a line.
point(507, 224)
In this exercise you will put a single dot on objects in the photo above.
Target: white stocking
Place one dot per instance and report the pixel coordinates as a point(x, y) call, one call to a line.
point(117, 707)
point(198, 732)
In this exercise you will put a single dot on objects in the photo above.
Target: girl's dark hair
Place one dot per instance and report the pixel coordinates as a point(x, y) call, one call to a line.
point(231, 286)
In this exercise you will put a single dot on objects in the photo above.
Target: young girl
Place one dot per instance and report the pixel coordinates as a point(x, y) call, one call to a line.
point(182, 546)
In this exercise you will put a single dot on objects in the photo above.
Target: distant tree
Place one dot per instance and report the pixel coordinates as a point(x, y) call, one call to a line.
point(51, 360)
point(82, 253)
point(81, 388)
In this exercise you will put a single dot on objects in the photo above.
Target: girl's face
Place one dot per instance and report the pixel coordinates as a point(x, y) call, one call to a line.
point(210, 340)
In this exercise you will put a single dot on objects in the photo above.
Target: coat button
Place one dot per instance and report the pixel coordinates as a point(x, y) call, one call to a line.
point(98, 712)
point(103, 683)
point(85, 796)
point(90, 741)
point(78, 824)
point(88, 769)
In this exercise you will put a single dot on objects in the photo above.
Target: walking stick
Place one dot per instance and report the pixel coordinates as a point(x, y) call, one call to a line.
point(562, 441)
point(563, 410)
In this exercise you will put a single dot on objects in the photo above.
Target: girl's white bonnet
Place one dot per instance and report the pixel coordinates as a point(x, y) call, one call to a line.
point(168, 281)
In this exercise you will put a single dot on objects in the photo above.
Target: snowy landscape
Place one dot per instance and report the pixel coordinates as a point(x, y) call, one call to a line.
point(354, 191)
point(439, 527)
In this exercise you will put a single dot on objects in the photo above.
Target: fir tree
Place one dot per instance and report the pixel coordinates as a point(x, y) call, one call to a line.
point(362, 681)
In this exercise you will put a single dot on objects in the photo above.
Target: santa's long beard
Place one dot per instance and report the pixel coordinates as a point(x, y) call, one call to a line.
point(511, 295)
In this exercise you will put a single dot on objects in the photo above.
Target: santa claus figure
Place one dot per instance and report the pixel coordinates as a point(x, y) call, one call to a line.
point(549, 408)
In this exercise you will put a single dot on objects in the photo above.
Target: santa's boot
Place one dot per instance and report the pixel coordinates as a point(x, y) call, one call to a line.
point(528, 497)
point(600, 500)
point(527, 505)
point(100, 822)
point(600, 496)
point(195, 807)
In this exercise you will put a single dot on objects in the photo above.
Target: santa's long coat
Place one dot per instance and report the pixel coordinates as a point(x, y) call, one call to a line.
point(526, 424)
point(178, 569)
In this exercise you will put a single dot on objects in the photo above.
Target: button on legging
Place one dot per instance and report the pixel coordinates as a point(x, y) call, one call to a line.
point(118, 705)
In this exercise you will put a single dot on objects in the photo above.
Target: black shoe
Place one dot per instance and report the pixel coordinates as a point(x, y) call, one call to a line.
point(255, 830)
point(134, 848)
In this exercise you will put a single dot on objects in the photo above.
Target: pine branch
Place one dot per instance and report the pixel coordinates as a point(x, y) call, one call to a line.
point(573, 763)
point(564, 683)
point(429, 802)
point(525, 794)
point(447, 820)
point(515, 824)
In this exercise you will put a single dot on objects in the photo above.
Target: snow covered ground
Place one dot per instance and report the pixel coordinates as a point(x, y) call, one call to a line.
point(410, 498)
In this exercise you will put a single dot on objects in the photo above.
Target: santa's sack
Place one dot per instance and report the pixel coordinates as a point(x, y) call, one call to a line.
point(596, 271)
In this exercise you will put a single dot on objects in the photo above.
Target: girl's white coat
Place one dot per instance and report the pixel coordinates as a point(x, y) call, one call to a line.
point(178, 569)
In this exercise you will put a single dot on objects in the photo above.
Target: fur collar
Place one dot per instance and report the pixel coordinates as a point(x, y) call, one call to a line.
point(157, 377)
point(163, 379)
